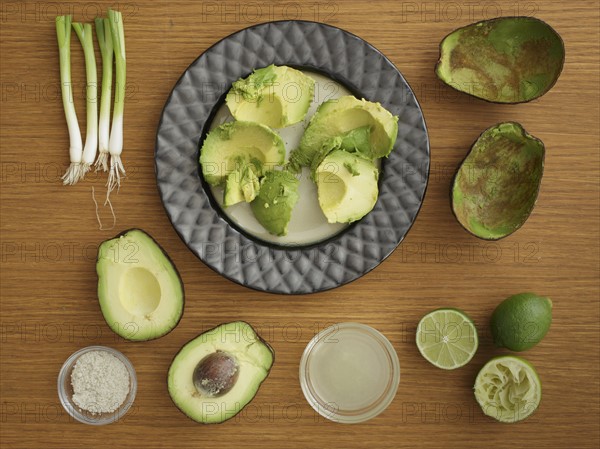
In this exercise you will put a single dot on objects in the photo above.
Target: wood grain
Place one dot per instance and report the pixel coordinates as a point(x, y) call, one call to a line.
point(50, 236)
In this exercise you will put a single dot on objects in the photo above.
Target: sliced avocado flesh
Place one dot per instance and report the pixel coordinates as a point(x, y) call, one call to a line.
point(504, 60)
point(354, 141)
point(496, 186)
point(275, 202)
point(214, 376)
point(241, 186)
point(339, 117)
point(234, 145)
point(139, 289)
point(276, 96)
point(233, 194)
point(347, 186)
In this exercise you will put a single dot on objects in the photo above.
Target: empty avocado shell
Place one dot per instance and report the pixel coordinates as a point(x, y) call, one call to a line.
point(496, 186)
point(502, 60)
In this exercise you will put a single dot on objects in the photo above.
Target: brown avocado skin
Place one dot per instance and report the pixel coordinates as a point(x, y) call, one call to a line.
point(263, 341)
point(120, 234)
point(491, 21)
point(534, 197)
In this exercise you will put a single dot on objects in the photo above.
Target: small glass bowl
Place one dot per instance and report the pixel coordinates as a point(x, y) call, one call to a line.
point(65, 389)
point(347, 340)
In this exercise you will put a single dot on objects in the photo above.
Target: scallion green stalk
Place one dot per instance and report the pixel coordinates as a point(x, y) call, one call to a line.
point(115, 145)
point(106, 49)
point(85, 34)
point(63, 34)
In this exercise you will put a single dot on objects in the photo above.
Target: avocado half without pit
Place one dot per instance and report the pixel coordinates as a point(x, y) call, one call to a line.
point(214, 376)
point(139, 289)
point(502, 60)
point(496, 186)
point(276, 96)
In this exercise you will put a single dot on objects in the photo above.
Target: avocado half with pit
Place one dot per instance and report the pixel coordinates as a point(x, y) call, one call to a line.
point(338, 117)
point(214, 376)
point(496, 186)
point(502, 60)
point(236, 146)
point(139, 289)
point(276, 96)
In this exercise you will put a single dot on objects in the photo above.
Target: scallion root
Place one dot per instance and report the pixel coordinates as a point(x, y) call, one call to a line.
point(73, 174)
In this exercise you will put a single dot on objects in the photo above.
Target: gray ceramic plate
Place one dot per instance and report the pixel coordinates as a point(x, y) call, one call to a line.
point(200, 222)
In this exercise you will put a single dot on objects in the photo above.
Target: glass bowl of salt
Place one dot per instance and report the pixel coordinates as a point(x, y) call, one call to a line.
point(97, 385)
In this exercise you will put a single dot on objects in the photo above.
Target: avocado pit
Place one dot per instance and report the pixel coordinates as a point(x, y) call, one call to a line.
point(216, 374)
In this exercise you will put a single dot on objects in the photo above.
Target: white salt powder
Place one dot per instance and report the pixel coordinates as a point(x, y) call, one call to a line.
point(100, 382)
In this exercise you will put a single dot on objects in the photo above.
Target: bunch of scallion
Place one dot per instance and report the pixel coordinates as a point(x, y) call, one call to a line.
point(99, 134)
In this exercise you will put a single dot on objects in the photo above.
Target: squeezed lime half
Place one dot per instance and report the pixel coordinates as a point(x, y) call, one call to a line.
point(508, 389)
point(447, 338)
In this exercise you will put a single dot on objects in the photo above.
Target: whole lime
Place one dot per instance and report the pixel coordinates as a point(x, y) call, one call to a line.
point(521, 321)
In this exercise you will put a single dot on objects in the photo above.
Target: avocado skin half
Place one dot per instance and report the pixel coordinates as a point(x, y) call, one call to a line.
point(259, 338)
point(534, 197)
point(164, 253)
point(548, 87)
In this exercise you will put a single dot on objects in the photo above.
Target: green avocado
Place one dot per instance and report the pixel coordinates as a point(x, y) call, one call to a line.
point(275, 201)
point(346, 186)
point(503, 60)
point(241, 185)
point(354, 141)
point(496, 186)
point(340, 116)
point(234, 145)
point(139, 289)
point(276, 96)
point(214, 376)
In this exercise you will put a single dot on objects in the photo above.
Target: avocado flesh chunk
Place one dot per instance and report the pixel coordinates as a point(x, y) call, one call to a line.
point(276, 96)
point(338, 117)
point(253, 358)
point(235, 145)
point(496, 186)
point(139, 289)
point(275, 201)
point(354, 141)
point(241, 185)
point(347, 186)
point(504, 60)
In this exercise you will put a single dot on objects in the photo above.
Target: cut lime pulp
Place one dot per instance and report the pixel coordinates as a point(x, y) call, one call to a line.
point(447, 338)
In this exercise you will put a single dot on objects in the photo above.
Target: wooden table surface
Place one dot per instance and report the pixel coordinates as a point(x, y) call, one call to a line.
point(50, 237)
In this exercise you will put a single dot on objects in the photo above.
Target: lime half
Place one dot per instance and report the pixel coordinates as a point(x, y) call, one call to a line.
point(508, 389)
point(447, 338)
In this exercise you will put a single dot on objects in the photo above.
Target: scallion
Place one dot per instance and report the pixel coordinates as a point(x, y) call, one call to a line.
point(106, 49)
point(85, 34)
point(115, 145)
point(63, 34)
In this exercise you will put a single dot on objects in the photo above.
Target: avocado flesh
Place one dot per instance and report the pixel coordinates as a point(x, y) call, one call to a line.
point(241, 185)
point(276, 96)
point(340, 116)
point(235, 145)
point(347, 186)
point(504, 60)
point(354, 141)
point(254, 359)
point(139, 289)
point(496, 186)
point(275, 201)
